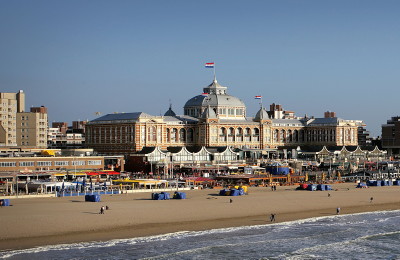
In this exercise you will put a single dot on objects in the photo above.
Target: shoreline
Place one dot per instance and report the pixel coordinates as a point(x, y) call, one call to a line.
point(70, 220)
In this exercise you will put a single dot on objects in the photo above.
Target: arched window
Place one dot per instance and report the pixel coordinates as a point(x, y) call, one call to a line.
point(168, 135)
point(283, 136)
point(222, 134)
point(239, 134)
point(256, 135)
point(151, 134)
point(231, 134)
point(190, 135)
point(295, 137)
point(276, 136)
point(182, 135)
point(174, 135)
point(247, 134)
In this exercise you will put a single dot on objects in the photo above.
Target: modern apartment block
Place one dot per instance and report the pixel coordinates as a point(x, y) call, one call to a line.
point(32, 128)
point(10, 105)
point(391, 135)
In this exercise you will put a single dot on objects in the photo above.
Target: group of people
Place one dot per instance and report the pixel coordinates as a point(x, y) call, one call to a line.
point(273, 188)
point(102, 209)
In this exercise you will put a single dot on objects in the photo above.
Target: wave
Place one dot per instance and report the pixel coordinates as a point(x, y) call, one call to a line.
point(275, 227)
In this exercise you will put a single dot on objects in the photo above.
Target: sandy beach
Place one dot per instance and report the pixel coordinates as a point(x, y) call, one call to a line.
point(44, 221)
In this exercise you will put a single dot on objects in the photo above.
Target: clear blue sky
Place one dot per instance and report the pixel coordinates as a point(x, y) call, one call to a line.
point(80, 57)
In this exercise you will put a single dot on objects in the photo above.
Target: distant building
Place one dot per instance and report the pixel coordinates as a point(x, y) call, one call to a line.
point(217, 119)
point(364, 138)
point(10, 105)
point(391, 136)
point(62, 126)
point(78, 126)
point(32, 128)
point(63, 136)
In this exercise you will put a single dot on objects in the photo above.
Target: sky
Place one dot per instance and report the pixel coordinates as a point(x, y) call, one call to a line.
point(82, 57)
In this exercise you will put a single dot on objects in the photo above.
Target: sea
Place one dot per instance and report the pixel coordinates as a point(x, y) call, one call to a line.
point(373, 235)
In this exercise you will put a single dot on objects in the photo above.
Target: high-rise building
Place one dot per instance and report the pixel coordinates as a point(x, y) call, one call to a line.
point(32, 128)
point(10, 105)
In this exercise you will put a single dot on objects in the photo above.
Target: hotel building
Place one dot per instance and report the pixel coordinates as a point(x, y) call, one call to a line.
point(217, 119)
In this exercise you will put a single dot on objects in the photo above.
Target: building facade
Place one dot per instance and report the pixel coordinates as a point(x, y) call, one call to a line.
point(32, 128)
point(217, 119)
point(391, 136)
point(10, 105)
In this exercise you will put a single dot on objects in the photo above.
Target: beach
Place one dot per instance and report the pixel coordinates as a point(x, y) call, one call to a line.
point(46, 221)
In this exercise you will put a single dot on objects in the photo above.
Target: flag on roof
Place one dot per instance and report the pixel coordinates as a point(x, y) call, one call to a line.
point(204, 94)
point(258, 97)
point(210, 65)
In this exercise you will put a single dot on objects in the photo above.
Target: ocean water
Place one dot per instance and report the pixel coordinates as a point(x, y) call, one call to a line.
point(357, 236)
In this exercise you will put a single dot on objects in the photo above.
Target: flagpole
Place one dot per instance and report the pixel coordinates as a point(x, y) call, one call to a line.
point(215, 77)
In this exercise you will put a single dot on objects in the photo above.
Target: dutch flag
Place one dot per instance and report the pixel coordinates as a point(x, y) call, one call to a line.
point(209, 65)
point(258, 97)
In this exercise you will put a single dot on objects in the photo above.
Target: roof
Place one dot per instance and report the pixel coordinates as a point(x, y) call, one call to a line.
point(180, 118)
point(287, 121)
point(122, 116)
point(324, 121)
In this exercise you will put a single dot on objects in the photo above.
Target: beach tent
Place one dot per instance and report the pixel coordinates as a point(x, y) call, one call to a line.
point(6, 202)
point(92, 198)
point(312, 187)
point(179, 195)
point(362, 185)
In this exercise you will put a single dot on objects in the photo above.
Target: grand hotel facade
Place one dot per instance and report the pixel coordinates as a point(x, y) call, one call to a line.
point(217, 119)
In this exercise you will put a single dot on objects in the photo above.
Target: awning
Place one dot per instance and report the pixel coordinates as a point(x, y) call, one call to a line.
point(92, 173)
point(110, 173)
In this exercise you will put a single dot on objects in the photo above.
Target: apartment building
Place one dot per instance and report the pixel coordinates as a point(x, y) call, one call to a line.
point(32, 127)
point(10, 105)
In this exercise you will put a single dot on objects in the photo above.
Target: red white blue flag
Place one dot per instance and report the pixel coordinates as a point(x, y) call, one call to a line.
point(210, 65)
point(204, 94)
point(258, 97)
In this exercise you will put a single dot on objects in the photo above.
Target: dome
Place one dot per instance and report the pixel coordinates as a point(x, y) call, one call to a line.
point(170, 112)
point(216, 97)
point(215, 100)
point(262, 114)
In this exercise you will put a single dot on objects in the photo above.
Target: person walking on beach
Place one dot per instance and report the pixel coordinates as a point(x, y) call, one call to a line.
point(329, 194)
point(102, 210)
point(230, 200)
point(371, 199)
point(272, 218)
point(337, 211)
